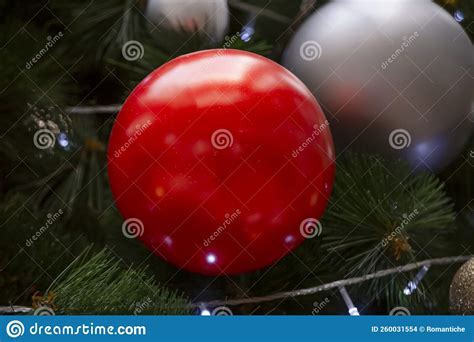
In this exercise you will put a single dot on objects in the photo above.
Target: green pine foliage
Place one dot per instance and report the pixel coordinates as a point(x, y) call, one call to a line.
point(99, 29)
point(35, 247)
point(24, 81)
point(99, 285)
point(382, 215)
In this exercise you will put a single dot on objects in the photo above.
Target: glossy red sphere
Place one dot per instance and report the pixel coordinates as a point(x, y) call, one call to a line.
point(221, 161)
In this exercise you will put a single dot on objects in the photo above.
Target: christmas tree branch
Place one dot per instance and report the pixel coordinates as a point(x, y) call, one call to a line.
point(108, 109)
point(98, 284)
point(336, 284)
point(300, 292)
point(15, 309)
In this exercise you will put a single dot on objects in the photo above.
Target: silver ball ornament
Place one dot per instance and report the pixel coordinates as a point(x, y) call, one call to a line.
point(394, 77)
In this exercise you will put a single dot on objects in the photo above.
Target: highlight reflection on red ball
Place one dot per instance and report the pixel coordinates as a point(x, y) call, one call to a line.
point(222, 157)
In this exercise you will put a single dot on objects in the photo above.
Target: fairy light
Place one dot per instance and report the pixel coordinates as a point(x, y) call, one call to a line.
point(247, 33)
point(347, 299)
point(204, 310)
point(458, 16)
point(63, 140)
point(413, 284)
point(211, 258)
point(248, 29)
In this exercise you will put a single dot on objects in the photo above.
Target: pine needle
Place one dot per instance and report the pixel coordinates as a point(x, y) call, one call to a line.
point(98, 285)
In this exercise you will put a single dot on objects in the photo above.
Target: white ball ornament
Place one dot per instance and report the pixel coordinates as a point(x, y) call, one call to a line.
point(208, 16)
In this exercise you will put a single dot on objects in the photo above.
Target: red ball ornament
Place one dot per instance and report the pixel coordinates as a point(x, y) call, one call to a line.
point(221, 161)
